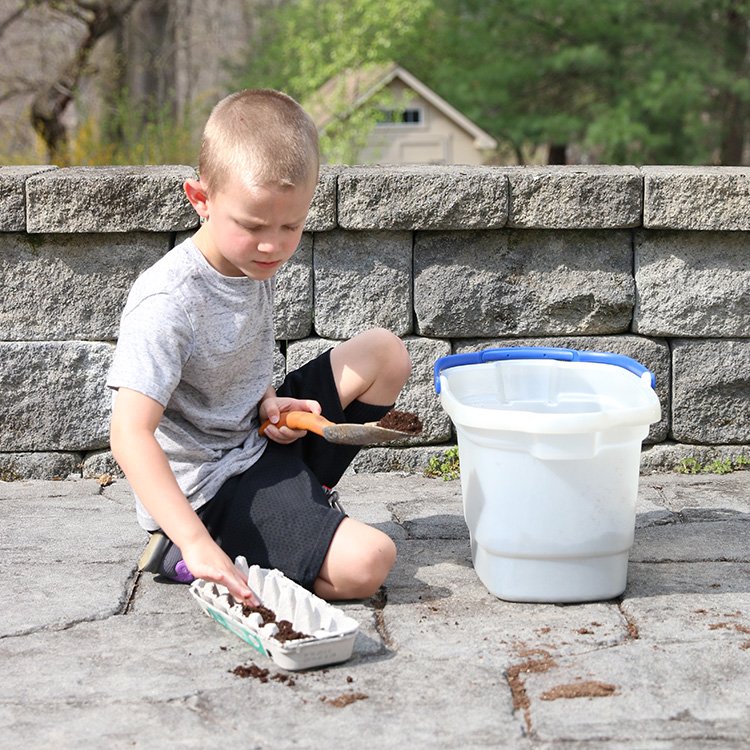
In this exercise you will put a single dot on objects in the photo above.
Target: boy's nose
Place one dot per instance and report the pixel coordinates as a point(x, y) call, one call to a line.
point(268, 245)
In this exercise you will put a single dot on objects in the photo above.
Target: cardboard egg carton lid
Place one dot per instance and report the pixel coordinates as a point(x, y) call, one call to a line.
point(330, 633)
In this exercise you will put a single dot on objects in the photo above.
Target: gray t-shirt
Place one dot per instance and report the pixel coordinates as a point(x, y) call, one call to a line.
point(202, 345)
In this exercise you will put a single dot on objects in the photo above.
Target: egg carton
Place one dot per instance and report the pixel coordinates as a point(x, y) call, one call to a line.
point(331, 632)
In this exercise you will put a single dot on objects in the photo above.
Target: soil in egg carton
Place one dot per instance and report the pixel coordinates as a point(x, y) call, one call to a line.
point(404, 421)
point(286, 631)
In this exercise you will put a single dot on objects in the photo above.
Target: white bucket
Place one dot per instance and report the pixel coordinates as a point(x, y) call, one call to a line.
point(549, 442)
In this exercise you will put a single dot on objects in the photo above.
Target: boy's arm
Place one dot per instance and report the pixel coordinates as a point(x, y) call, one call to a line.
point(135, 418)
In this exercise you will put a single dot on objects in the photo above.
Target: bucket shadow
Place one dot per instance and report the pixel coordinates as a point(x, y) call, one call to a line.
point(446, 526)
point(693, 551)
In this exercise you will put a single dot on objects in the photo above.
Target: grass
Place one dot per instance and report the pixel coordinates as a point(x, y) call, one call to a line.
point(7, 474)
point(445, 466)
point(717, 466)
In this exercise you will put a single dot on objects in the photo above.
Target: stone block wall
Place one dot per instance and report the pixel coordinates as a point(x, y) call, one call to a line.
point(652, 262)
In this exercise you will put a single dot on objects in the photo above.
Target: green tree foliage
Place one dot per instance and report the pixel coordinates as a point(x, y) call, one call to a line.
point(624, 81)
point(305, 43)
point(630, 81)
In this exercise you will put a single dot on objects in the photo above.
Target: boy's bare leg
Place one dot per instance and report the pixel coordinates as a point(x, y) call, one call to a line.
point(371, 368)
point(358, 561)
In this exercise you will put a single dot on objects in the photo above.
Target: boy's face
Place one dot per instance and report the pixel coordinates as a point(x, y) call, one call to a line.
point(252, 230)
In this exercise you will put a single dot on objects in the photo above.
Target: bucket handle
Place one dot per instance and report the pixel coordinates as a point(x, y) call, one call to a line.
point(541, 352)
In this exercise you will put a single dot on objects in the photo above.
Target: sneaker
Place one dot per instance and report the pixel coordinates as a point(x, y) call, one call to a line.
point(181, 573)
point(150, 560)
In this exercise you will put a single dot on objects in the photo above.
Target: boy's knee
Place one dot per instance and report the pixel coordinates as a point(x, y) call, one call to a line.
point(392, 353)
point(372, 568)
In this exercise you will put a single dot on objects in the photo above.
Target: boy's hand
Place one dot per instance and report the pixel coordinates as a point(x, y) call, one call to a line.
point(205, 559)
point(271, 407)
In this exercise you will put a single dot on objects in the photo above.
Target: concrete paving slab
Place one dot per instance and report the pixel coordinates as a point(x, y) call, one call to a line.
point(699, 491)
point(67, 554)
point(96, 655)
point(695, 535)
point(653, 691)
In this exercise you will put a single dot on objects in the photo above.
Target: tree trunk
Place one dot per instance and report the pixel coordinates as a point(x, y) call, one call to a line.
point(150, 60)
point(735, 108)
point(49, 104)
point(557, 153)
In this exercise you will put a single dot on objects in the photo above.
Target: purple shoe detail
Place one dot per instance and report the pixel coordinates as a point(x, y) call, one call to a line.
point(182, 574)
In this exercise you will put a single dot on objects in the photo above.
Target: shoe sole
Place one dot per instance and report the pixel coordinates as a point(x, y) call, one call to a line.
point(151, 558)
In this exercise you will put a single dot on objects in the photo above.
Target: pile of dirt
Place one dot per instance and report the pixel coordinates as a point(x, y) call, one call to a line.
point(344, 699)
point(588, 689)
point(403, 421)
point(262, 674)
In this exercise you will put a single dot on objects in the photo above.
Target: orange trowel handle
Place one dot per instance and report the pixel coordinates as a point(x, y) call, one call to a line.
point(300, 420)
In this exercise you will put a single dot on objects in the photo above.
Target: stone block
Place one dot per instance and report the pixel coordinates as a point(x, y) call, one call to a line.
point(98, 463)
point(110, 199)
point(692, 284)
point(711, 391)
point(53, 396)
point(575, 197)
point(411, 460)
point(279, 367)
point(418, 395)
point(13, 196)
point(523, 282)
point(293, 308)
point(54, 465)
point(362, 280)
point(70, 286)
point(299, 353)
point(180, 237)
point(668, 456)
point(423, 197)
point(322, 215)
point(653, 354)
point(704, 198)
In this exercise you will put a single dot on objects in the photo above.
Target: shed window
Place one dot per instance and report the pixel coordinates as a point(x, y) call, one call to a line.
point(412, 116)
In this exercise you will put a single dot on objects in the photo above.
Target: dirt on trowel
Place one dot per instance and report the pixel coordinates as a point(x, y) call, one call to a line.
point(403, 421)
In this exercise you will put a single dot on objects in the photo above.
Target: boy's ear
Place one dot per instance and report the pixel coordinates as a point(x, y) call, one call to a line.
point(197, 196)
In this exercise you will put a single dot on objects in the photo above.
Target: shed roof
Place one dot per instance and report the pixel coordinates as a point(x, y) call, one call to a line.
point(349, 90)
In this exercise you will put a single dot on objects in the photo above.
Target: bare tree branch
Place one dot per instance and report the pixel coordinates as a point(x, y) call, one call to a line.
point(14, 16)
point(50, 102)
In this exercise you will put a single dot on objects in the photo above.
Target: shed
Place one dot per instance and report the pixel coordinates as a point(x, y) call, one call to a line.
point(408, 122)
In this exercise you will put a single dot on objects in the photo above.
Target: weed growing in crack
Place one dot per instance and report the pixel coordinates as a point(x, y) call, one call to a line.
point(446, 466)
point(691, 465)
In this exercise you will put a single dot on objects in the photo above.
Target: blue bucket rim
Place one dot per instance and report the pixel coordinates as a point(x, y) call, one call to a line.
point(540, 352)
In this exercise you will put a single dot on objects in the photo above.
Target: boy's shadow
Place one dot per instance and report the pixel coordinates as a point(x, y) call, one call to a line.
point(434, 558)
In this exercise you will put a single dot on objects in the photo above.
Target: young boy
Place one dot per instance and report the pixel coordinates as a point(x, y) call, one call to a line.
point(192, 374)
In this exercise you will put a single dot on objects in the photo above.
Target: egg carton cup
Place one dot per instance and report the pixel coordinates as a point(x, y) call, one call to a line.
point(331, 632)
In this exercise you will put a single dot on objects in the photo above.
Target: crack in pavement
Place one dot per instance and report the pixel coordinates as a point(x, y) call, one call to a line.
point(121, 608)
point(379, 600)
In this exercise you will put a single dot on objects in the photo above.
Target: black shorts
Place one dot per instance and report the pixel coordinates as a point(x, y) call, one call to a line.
point(276, 513)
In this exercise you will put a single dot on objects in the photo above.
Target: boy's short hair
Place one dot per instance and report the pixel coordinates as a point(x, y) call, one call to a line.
point(262, 136)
